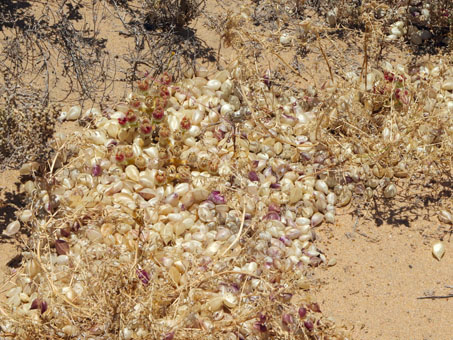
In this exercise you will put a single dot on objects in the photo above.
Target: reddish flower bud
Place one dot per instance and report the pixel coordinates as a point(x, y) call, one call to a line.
point(131, 118)
point(122, 121)
point(143, 85)
point(158, 115)
point(185, 123)
point(146, 129)
point(119, 157)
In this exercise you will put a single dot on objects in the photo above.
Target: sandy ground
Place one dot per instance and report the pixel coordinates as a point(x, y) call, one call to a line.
point(380, 271)
point(379, 274)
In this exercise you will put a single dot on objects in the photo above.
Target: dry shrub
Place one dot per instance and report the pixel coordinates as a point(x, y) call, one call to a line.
point(25, 127)
point(173, 13)
point(57, 52)
point(39, 42)
point(163, 40)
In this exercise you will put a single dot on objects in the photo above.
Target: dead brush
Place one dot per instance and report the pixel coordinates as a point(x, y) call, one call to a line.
point(173, 13)
point(163, 40)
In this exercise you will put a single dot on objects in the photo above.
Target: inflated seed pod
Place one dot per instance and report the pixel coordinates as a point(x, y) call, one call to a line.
point(390, 191)
point(378, 171)
point(316, 219)
point(12, 228)
point(132, 173)
point(321, 205)
point(445, 217)
point(322, 186)
point(32, 268)
point(307, 211)
point(344, 197)
point(329, 217)
point(331, 198)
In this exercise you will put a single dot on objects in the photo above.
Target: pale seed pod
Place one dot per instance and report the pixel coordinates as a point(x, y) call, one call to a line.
point(307, 211)
point(445, 217)
point(302, 221)
point(321, 205)
point(29, 187)
point(344, 197)
point(70, 330)
point(214, 304)
point(212, 248)
point(390, 191)
point(28, 168)
point(93, 235)
point(32, 268)
point(214, 84)
point(12, 228)
point(174, 274)
point(438, 250)
point(320, 185)
point(329, 217)
point(331, 198)
point(316, 219)
point(200, 194)
point(230, 300)
point(132, 173)
point(74, 113)
point(378, 171)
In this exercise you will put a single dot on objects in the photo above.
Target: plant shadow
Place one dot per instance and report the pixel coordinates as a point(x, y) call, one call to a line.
point(12, 202)
point(415, 201)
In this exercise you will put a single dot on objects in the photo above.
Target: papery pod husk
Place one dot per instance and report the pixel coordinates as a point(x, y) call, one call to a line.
point(445, 217)
point(344, 198)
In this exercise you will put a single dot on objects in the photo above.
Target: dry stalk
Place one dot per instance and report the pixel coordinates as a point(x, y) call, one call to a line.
point(324, 56)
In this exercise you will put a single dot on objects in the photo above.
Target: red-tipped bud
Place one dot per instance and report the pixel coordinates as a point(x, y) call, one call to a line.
point(287, 319)
point(62, 247)
point(146, 129)
point(128, 153)
point(143, 85)
point(314, 307)
point(158, 115)
point(119, 157)
point(165, 79)
point(161, 178)
point(135, 103)
point(96, 170)
point(185, 123)
point(131, 118)
point(122, 121)
point(39, 304)
point(309, 325)
point(169, 336)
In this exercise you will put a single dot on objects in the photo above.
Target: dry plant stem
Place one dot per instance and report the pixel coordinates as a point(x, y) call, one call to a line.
point(324, 55)
point(364, 71)
point(288, 65)
point(433, 297)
